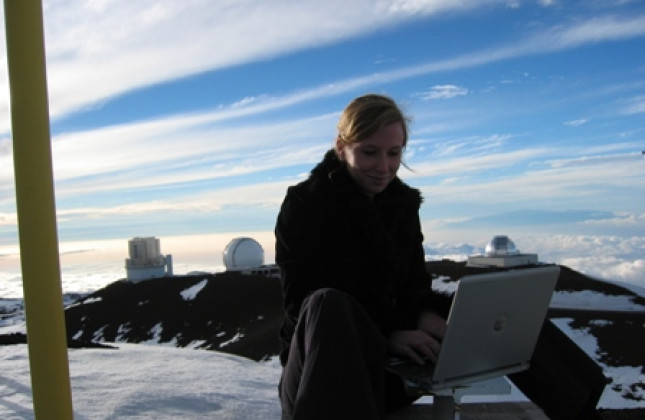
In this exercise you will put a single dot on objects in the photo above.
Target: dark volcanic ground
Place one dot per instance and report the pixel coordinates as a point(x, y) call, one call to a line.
point(241, 314)
point(233, 313)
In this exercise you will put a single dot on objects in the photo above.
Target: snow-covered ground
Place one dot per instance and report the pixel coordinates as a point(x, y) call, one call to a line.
point(142, 382)
point(149, 382)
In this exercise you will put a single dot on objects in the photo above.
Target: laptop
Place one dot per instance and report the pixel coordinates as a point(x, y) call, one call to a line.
point(492, 328)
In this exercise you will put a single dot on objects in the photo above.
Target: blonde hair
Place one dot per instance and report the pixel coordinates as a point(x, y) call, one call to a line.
point(366, 115)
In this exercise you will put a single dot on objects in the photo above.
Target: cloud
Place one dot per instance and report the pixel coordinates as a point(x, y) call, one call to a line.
point(590, 31)
point(547, 40)
point(527, 218)
point(623, 220)
point(264, 194)
point(180, 149)
point(576, 123)
point(636, 106)
point(434, 6)
point(8, 219)
point(97, 50)
point(468, 163)
point(459, 252)
point(461, 146)
point(443, 92)
point(607, 257)
point(597, 160)
point(485, 182)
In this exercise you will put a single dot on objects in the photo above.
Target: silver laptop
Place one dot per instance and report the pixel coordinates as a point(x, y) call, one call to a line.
point(492, 328)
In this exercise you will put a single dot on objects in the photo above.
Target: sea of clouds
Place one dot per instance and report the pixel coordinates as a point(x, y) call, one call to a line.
point(613, 258)
point(90, 266)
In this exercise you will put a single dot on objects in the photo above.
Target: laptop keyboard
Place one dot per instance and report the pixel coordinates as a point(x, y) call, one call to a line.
point(411, 371)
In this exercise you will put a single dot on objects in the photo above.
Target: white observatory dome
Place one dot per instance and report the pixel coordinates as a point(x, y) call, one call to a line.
point(499, 246)
point(243, 254)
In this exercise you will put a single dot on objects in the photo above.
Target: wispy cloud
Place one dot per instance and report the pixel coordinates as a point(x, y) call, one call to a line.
point(461, 147)
point(564, 180)
point(576, 123)
point(594, 184)
point(622, 219)
point(598, 160)
point(97, 50)
point(262, 195)
point(443, 92)
point(133, 145)
point(636, 106)
point(472, 164)
point(192, 147)
point(548, 40)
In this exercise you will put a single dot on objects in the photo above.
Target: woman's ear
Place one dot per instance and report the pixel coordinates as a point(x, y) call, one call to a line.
point(340, 148)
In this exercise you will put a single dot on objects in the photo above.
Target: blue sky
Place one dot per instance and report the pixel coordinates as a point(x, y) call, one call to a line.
point(192, 117)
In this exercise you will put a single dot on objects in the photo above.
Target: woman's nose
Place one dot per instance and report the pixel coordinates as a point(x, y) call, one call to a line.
point(382, 164)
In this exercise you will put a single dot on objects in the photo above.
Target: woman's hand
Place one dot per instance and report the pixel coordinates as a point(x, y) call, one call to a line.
point(422, 343)
point(432, 324)
point(416, 345)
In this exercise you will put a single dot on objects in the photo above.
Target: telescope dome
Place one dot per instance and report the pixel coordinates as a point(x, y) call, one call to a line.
point(243, 254)
point(501, 245)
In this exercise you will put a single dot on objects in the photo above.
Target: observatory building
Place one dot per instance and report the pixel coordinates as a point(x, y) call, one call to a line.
point(146, 261)
point(245, 255)
point(501, 252)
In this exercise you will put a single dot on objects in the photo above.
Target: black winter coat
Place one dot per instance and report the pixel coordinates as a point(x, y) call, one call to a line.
point(329, 234)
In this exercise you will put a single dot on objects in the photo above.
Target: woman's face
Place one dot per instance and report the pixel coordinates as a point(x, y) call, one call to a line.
point(373, 162)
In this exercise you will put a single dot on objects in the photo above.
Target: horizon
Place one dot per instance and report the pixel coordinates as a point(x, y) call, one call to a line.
point(89, 266)
point(176, 119)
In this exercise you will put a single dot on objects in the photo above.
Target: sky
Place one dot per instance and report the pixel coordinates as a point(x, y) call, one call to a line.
point(188, 119)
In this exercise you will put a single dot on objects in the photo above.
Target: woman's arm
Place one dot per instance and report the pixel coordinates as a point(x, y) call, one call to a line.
point(297, 231)
point(421, 344)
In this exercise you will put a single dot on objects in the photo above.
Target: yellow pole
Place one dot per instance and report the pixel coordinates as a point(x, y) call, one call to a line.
point(35, 202)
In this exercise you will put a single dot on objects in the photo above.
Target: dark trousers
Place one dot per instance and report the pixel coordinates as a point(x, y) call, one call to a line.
point(335, 368)
point(336, 364)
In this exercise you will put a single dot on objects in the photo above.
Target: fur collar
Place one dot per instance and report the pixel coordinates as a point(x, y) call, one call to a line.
point(334, 171)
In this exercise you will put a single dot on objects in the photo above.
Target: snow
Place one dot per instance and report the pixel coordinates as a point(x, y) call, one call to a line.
point(191, 292)
point(611, 398)
point(583, 299)
point(138, 381)
point(235, 339)
point(152, 381)
point(143, 382)
point(587, 299)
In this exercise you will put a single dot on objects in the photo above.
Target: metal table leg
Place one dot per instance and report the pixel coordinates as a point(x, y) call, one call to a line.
point(443, 407)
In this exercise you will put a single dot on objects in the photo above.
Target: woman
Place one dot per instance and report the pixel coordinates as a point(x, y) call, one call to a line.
point(356, 290)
